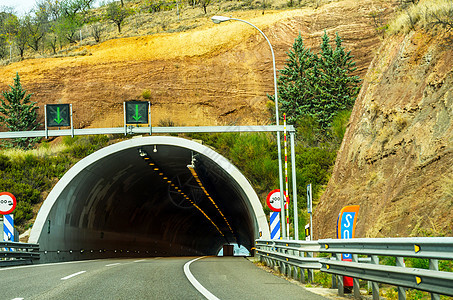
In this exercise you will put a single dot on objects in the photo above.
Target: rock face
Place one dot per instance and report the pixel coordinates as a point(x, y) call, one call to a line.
point(396, 160)
point(212, 75)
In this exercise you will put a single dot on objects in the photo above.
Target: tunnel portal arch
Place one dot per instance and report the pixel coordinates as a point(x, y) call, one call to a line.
point(124, 198)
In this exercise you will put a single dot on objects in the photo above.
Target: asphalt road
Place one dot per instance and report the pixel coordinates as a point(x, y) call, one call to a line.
point(150, 278)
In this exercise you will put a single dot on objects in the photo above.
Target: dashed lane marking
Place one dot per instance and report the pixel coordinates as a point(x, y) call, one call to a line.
point(72, 275)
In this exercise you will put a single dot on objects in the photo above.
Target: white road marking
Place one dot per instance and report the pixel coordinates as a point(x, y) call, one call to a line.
point(72, 275)
point(49, 264)
point(18, 299)
point(208, 295)
point(139, 260)
point(115, 264)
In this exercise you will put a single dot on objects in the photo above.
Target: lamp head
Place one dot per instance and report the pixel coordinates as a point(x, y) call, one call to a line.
point(219, 19)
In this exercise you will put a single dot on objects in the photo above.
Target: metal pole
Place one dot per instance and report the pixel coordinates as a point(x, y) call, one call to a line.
point(72, 125)
point(293, 169)
point(45, 120)
point(124, 112)
point(280, 177)
point(286, 175)
point(149, 118)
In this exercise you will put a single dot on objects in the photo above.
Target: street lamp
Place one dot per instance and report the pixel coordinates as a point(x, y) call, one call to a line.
point(220, 19)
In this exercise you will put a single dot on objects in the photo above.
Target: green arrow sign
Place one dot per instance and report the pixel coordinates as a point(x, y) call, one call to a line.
point(137, 112)
point(58, 119)
point(137, 116)
point(58, 115)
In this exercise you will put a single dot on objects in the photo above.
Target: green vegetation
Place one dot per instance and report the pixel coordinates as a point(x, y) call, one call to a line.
point(117, 14)
point(30, 174)
point(317, 85)
point(26, 176)
point(18, 113)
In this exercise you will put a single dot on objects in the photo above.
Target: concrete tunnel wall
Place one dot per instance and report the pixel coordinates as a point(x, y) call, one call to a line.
point(114, 203)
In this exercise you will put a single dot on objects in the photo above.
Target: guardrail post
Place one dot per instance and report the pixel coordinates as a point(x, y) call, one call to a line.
point(355, 281)
point(340, 278)
point(310, 272)
point(401, 290)
point(296, 269)
point(375, 285)
point(434, 265)
point(334, 281)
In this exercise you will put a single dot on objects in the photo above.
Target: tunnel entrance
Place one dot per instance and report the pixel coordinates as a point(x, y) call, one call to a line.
point(158, 196)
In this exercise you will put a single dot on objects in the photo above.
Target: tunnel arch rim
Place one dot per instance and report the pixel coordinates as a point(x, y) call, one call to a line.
point(221, 161)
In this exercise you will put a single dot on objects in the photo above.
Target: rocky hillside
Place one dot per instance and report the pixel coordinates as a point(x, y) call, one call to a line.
point(396, 160)
point(211, 75)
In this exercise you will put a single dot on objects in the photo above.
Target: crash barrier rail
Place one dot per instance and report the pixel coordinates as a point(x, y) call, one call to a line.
point(14, 254)
point(293, 257)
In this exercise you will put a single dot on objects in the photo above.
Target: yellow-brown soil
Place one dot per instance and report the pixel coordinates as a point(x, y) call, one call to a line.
point(211, 75)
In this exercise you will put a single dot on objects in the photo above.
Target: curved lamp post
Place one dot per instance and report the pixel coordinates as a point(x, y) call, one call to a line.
point(220, 19)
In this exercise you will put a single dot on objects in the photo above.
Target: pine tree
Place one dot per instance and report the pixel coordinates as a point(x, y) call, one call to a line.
point(19, 113)
point(317, 85)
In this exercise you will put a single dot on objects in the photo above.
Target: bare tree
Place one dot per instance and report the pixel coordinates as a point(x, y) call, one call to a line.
point(97, 29)
point(36, 31)
point(204, 4)
point(116, 14)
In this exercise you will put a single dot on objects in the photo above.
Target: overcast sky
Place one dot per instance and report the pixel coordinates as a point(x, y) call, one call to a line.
point(20, 6)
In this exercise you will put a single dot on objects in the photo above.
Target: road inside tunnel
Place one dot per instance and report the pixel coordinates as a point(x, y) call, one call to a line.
point(156, 196)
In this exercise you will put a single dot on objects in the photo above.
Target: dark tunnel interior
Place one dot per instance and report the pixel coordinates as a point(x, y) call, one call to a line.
point(162, 200)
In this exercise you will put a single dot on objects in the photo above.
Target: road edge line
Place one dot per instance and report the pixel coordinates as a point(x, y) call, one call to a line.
point(195, 283)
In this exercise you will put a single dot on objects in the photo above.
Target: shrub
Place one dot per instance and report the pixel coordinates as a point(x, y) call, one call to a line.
point(82, 147)
point(146, 94)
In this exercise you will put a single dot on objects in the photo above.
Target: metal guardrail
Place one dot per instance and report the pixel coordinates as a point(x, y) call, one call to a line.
point(293, 257)
point(144, 130)
point(14, 254)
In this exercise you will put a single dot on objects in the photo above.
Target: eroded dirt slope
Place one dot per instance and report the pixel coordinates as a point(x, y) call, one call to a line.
point(212, 75)
point(396, 160)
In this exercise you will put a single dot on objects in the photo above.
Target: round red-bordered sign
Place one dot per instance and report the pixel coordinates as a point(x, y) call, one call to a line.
point(7, 203)
point(273, 200)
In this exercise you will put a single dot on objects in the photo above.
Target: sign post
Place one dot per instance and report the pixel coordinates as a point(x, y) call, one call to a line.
point(137, 112)
point(275, 225)
point(307, 232)
point(309, 209)
point(58, 115)
point(347, 220)
point(274, 202)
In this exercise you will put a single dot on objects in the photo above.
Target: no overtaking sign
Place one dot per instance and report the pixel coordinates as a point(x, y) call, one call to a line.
point(7, 203)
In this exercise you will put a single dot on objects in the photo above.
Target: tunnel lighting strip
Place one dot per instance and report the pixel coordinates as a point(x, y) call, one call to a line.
point(179, 190)
point(195, 175)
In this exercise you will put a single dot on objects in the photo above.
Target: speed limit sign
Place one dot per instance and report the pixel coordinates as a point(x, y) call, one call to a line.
point(274, 202)
point(7, 203)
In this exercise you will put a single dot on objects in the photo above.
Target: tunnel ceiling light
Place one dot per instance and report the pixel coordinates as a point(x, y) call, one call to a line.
point(178, 189)
point(142, 152)
point(155, 149)
point(195, 175)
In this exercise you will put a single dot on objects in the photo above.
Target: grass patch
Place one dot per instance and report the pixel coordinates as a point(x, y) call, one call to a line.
point(423, 15)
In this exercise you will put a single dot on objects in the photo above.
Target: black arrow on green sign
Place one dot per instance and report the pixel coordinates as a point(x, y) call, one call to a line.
point(58, 119)
point(136, 117)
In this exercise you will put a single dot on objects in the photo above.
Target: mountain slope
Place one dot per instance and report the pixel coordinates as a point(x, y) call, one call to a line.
point(220, 74)
point(396, 160)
